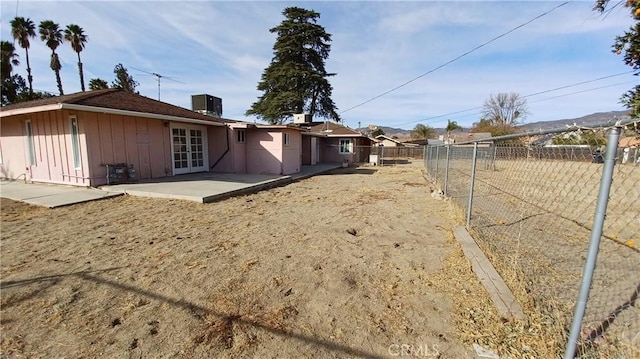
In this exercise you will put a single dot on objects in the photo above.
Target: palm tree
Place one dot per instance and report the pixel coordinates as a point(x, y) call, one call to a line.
point(22, 29)
point(76, 37)
point(8, 59)
point(422, 132)
point(51, 34)
point(452, 126)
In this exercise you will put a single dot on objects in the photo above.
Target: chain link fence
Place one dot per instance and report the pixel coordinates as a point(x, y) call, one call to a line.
point(535, 204)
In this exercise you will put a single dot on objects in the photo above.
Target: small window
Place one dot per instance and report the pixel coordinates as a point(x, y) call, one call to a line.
point(75, 142)
point(30, 143)
point(287, 139)
point(241, 135)
point(345, 146)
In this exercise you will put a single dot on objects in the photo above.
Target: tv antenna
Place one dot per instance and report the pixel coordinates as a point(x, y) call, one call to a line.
point(158, 77)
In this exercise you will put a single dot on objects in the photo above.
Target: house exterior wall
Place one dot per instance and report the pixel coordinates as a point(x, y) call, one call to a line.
point(52, 148)
point(143, 143)
point(388, 143)
point(292, 153)
point(221, 153)
point(264, 152)
point(306, 150)
point(330, 150)
point(13, 157)
point(240, 151)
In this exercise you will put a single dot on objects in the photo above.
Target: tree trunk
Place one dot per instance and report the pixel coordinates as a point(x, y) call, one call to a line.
point(81, 73)
point(29, 77)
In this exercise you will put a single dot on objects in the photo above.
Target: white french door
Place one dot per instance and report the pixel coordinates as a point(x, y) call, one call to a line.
point(189, 148)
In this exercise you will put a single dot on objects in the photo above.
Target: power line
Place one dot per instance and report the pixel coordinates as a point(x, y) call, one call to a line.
point(529, 95)
point(565, 95)
point(456, 58)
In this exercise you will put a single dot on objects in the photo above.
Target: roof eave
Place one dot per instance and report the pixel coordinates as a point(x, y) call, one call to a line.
point(28, 110)
point(70, 106)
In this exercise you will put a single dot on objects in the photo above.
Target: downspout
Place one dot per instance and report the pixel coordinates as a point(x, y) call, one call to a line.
point(226, 151)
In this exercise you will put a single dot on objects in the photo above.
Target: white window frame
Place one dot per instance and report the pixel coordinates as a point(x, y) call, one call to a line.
point(241, 137)
point(286, 138)
point(345, 143)
point(75, 142)
point(31, 148)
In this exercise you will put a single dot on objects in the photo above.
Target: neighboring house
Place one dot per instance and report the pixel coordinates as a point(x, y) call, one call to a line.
point(72, 139)
point(387, 141)
point(332, 142)
point(262, 149)
point(630, 147)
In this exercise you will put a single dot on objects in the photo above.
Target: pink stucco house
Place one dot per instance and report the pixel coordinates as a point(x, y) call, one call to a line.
point(71, 139)
point(262, 149)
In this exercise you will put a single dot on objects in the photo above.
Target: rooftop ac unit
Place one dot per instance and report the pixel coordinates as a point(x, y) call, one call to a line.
point(302, 118)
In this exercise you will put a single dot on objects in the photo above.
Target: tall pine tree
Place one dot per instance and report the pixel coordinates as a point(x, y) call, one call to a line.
point(296, 80)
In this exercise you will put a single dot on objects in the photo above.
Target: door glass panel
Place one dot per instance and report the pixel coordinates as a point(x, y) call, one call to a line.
point(197, 157)
point(180, 148)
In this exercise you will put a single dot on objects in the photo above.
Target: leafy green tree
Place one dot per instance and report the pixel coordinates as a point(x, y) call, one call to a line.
point(8, 59)
point(296, 80)
point(377, 132)
point(98, 84)
point(12, 88)
point(422, 131)
point(10, 84)
point(22, 30)
point(123, 79)
point(78, 40)
point(485, 125)
point(51, 34)
point(629, 45)
point(505, 109)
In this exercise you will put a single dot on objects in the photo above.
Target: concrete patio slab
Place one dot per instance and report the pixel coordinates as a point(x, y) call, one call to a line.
point(199, 187)
point(51, 195)
point(208, 187)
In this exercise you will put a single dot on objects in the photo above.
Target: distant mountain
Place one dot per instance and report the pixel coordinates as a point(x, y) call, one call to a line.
point(588, 120)
point(388, 131)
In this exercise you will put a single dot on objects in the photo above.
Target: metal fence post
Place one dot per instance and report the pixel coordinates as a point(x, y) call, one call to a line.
point(437, 160)
point(495, 155)
point(594, 243)
point(446, 170)
point(473, 178)
point(424, 155)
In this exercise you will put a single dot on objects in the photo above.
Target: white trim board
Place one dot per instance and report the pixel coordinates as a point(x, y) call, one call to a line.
point(502, 297)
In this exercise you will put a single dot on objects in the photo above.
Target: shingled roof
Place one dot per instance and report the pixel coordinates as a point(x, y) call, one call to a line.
point(334, 129)
point(112, 99)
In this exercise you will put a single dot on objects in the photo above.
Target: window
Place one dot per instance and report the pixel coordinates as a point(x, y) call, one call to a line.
point(345, 146)
point(287, 139)
point(75, 142)
point(241, 135)
point(30, 144)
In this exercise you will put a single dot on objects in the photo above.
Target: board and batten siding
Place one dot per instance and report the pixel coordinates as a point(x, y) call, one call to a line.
point(137, 141)
point(51, 146)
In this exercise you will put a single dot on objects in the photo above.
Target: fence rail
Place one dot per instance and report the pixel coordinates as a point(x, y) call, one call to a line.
point(542, 214)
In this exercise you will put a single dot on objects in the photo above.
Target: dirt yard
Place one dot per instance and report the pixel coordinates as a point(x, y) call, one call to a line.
point(349, 264)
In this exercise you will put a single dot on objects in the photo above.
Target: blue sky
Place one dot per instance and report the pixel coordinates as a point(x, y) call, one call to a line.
point(222, 47)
